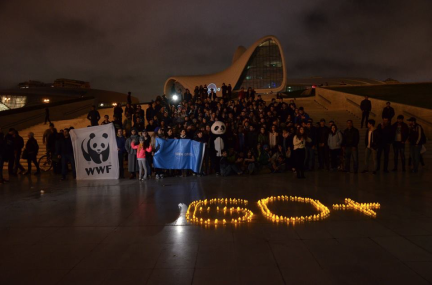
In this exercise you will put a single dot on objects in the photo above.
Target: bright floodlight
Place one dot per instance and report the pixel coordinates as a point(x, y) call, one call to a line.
point(175, 97)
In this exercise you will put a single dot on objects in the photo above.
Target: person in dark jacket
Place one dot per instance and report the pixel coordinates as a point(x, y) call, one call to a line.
point(8, 151)
point(93, 116)
point(66, 154)
point(151, 112)
point(47, 116)
point(372, 142)
point(229, 91)
point(117, 123)
point(139, 112)
point(386, 140)
point(129, 98)
point(351, 138)
point(416, 139)
point(31, 150)
point(129, 109)
point(365, 107)
point(227, 168)
point(4, 150)
point(388, 112)
point(312, 134)
point(18, 143)
point(118, 111)
point(151, 126)
point(187, 96)
point(322, 142)
point(400, 132)
point(121, 142)
point(251, 138)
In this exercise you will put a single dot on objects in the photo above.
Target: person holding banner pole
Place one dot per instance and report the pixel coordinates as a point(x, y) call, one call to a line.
point(141, 157)
point(132, 153)
point(121, 142)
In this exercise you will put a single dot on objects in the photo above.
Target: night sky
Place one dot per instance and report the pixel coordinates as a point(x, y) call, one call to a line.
point(136, 45)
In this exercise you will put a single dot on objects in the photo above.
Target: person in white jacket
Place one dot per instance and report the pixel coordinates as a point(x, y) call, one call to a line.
point(335, 144)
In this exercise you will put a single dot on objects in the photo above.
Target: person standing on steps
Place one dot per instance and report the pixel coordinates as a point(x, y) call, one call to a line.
point(47, 116)
point(351, 138)
point(388, 112)
point(372, 141)
point(118, 111)
point(129, 98)
point(365, 107)
point(93, 116)
point(400, 132)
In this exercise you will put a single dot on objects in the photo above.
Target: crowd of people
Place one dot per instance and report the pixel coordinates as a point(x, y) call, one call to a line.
point(274, 137)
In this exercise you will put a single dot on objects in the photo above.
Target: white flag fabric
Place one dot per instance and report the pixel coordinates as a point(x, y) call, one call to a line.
point(95, 152)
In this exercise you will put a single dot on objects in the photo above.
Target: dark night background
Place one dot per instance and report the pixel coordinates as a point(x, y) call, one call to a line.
point(136, 45)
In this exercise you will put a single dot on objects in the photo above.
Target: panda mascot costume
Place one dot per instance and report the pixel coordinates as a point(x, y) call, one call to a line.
point(216, 144)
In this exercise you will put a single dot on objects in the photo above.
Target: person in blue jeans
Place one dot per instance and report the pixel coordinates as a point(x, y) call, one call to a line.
point(65, 153)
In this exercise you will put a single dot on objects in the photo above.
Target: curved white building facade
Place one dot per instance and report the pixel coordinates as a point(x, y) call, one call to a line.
point(261, 66)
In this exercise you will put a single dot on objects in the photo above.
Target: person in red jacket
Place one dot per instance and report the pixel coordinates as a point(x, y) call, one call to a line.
point(141, 157)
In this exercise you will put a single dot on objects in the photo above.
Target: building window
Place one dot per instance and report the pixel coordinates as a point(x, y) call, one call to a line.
point(264, 69)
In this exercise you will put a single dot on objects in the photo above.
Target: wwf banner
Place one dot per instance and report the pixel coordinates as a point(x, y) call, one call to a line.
point(178, 154)
point(95, 152)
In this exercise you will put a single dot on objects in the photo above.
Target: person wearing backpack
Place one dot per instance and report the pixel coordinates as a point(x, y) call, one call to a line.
point(416, 139)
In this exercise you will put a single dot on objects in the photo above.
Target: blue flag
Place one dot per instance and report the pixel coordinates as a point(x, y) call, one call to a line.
point(178, 154)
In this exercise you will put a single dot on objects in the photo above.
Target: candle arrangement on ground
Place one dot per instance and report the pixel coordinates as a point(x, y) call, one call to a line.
point(323, 210)
point(233, 211)
point(365, 208)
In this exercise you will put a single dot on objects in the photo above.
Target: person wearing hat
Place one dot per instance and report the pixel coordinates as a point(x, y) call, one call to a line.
point(141, 150)
point(416, 139)
point(132, 153)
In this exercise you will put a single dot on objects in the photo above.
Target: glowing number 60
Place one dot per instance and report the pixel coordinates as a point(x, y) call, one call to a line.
point(238, 206)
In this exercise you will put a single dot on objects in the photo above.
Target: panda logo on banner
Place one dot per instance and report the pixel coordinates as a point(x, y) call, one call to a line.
point(98, 149)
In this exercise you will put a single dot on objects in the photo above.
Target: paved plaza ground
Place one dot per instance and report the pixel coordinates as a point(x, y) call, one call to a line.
point(130, 232)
